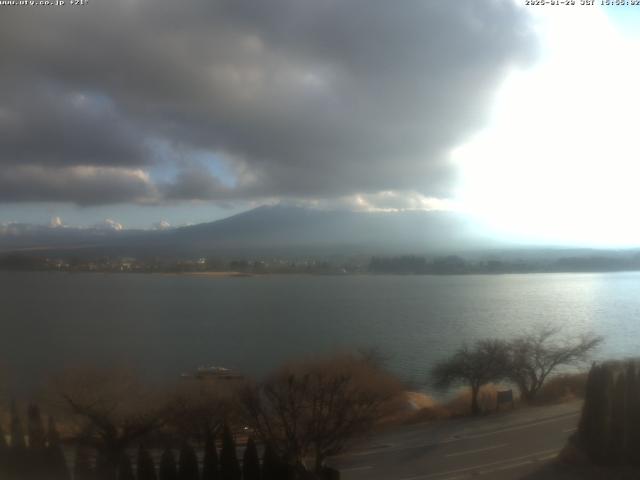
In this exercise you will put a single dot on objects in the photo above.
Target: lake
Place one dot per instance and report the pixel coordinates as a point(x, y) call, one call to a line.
point(164, 325)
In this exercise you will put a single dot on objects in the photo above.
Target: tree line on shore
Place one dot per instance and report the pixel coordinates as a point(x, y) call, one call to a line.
point(454, 264)
point(401, 264)
point(526, 361)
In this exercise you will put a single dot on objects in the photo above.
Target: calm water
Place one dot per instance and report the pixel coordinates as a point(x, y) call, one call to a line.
point(165, 325)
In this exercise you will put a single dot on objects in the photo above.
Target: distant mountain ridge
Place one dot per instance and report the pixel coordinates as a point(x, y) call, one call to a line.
point(278, 230)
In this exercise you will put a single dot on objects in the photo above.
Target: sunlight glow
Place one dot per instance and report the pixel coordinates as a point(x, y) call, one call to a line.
point(559, 163)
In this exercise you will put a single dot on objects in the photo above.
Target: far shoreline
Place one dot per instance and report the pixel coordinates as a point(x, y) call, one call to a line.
point(234, 274)
point(223, 274)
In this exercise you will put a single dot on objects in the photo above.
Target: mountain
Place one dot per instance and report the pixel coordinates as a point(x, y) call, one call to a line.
point(24, 236)
point(269, 230)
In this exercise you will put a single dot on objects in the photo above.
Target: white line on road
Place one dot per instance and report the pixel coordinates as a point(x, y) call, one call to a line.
point(567, 430)
point(546, 454)
point(477, 450)
point(503, 467)
point(519, 427)
point(355, 469)
point(461, 438)
point(514, 465)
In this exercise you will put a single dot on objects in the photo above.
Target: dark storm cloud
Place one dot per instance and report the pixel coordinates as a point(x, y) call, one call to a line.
point(300, 97)
point(45, 125)
point(80, 185)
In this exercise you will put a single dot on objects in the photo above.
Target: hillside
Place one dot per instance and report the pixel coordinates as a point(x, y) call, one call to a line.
point(280, 230)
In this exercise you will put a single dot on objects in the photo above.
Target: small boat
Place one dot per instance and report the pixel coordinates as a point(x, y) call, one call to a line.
point(213, 373)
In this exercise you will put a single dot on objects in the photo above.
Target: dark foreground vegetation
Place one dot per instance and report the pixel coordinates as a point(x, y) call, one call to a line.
point(609, 429)
point(43, 458)
point(114, 427)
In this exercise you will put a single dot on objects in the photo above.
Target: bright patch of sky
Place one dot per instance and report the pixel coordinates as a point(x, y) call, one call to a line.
point(625, 17)
point(218, 167)
point(560, 161)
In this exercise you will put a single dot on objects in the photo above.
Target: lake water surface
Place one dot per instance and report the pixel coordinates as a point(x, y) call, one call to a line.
point(168, 324)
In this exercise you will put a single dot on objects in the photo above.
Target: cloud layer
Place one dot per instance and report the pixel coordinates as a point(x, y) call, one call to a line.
point(147, 101)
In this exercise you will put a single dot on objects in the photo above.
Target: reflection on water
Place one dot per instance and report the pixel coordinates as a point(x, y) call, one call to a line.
point(165, 325)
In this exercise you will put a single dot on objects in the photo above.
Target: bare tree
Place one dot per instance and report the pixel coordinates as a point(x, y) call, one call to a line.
point(536, 355)
point(198, 408)
point(473, 366)
point(111, 410)
point(311, 411)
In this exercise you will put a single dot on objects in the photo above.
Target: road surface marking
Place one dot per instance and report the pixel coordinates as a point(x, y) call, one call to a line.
point(498, 463)
point(502, 468)
point(460, 438)
point(567, 430)
point(355, 469)
point(477, 450)
point(518, 427)
point(518, 464)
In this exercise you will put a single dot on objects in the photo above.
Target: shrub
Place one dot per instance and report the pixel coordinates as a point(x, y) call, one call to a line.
point(562, 387)
point(609, 428)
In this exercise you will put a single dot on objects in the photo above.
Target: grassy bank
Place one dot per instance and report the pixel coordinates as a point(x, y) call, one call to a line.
point(424, 408)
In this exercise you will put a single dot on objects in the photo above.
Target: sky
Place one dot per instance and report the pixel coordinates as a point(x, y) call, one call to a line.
point(144, 111)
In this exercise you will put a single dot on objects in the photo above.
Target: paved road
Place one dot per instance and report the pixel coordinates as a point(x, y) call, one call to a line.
point(503, 446)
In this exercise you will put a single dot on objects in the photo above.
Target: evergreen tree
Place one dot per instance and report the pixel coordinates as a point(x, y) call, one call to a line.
point(16, 431)
point(168, 470)
point(616, 445)
point(600, 454)
point(608, 385)
point(17, 463)
point(82, 466)
point(229, 467)
point(629, 399)
point(210, 468)
point(53, 436)
point(105, 469)
point(125, 470)
point(269, 463)
point(55, 462)
point(633, 402)
point(146, 468)
point(3, 440)
point(595, 428)
point(588, 429)
point(273, 468)
point(188, 463)
point(4, 454)
point(37, 456)
point(250, 462)
point(35, 428)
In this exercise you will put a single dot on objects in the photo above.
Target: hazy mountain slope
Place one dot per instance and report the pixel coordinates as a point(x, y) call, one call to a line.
point(278, 230)
point(293, 230)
